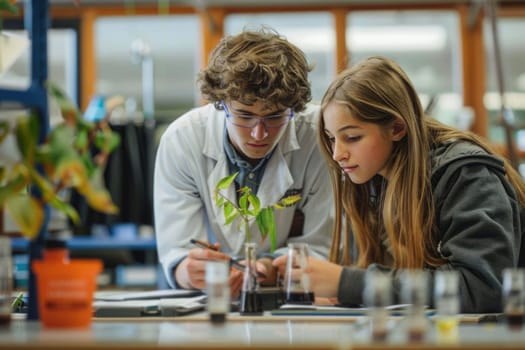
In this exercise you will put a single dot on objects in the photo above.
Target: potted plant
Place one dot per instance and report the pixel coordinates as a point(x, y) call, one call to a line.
point(73, 156)
point(35, 174)
point(249, 208)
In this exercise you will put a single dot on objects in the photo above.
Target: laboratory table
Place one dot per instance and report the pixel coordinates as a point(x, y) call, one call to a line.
point(255, 332)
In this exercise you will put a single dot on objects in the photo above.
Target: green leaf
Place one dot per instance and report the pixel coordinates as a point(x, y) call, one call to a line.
point(96, 194)
point(228, 208)
point(65, 103)
point(82, 140)
point(46, 188)
point(100, 200)
point(65, 208)
point(61, 142)
point(27, 214)
point(262, 223)
point(113, 142)
point(13, 187)
point(70, 172)
point(272, 233)
point(243, 201)
point(255, 204)
point(226, 182)
point(219, 200)
point(27, 137)
point(230, 212)
point(106, 141)
point(91, 167)
point(266, 223)
point(7, 6)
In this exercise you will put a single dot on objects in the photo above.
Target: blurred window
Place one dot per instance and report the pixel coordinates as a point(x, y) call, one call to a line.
point(62, 51)
point(427, 46)
point(513, 66)
point(174, 47)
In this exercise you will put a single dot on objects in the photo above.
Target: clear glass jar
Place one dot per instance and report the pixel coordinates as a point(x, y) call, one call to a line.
point(446, 300)
point(218, 290)
point(251, 300)
point(377, 295)
point(414, 292)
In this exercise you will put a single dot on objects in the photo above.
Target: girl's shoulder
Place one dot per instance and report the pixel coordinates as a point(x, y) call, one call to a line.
point(456, 150)
point(459, 153)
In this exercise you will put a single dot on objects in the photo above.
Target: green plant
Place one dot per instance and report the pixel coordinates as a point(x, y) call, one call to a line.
point(73, 155)
point(9, 7)
point(250, 207)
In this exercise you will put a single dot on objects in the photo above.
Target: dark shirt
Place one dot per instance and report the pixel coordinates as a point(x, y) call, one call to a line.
point(249, 175)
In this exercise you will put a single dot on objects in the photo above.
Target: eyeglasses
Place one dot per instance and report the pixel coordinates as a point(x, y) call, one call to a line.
point(250, 121)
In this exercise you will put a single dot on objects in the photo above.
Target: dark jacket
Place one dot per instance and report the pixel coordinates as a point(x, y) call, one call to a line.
point(479, 222)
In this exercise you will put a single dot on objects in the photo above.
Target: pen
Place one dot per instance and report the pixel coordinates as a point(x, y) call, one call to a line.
point(233, 262)
point(202, 244)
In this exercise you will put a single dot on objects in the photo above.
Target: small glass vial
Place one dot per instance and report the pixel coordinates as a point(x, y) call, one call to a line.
point(6, 280)
point(446, 299)
point(414, 293)
point(514, 297)
point(298, 289)
point(218, 290)
point(377, 296)
point(251, 301)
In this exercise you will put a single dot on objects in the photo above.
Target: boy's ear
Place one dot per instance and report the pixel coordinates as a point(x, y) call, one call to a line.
point(399, 130)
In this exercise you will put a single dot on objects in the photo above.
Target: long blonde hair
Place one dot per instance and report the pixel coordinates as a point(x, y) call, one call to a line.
point(378, 91)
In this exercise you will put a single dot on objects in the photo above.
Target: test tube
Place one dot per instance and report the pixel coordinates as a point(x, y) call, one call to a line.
point(414, 293)
point(446, 298)
point(297, 285)
point(251, 300)
point(514, 297)
point(377, 296)
point(217, 290)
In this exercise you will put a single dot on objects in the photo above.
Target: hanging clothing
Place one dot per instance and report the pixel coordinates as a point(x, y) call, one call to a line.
point(128, 177)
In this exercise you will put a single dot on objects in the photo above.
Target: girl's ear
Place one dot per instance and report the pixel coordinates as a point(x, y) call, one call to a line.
point(399, 130)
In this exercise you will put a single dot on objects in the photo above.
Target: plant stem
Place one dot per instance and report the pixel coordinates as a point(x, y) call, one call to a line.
point(247, 230)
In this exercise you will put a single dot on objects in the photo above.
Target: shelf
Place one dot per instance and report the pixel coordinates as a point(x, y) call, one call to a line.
point(36, 22)
point(36, 19)
point(93, 243)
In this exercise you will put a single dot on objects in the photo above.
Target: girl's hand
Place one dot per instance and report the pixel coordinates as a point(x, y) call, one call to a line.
point(324, 275)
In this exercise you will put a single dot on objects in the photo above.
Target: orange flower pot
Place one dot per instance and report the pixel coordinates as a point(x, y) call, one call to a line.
point(65, 291)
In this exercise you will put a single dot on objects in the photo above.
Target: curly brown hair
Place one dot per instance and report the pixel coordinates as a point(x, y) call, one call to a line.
point(257, 65)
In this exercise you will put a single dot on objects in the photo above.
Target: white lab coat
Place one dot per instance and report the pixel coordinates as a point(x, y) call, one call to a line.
point(191, 160)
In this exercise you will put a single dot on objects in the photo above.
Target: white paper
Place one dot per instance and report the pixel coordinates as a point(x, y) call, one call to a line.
point(142, 295)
